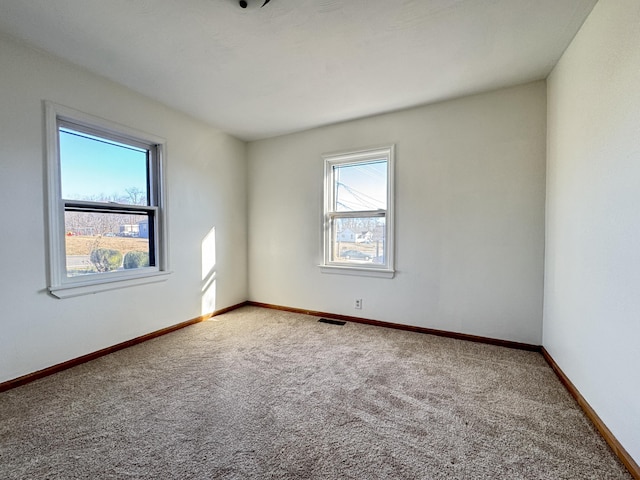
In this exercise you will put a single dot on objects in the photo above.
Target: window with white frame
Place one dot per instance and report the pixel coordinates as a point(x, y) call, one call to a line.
point(358, 212)
point(105, 201)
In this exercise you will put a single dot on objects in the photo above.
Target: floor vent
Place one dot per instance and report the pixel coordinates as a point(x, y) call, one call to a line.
point(332, 322)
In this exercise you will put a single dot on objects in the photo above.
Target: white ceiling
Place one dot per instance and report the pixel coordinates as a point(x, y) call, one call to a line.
point(297, 64)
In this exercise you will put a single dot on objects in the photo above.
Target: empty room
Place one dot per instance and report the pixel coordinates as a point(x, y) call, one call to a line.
point(320, 239)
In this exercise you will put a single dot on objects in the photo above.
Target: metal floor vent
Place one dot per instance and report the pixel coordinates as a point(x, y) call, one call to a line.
point(332, 322)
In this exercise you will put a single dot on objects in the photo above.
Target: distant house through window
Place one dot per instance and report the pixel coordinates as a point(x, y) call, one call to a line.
point(358, 212)
point(106, 211)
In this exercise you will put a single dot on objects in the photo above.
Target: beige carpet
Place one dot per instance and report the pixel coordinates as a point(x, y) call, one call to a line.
point(259, 393)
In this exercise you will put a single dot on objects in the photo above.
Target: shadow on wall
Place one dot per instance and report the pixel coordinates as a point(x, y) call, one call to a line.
point(209, 272)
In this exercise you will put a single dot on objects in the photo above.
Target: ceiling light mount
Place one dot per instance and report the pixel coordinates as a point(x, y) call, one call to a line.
point(244, 3)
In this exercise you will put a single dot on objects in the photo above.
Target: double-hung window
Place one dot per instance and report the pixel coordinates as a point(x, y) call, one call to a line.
point(358, 212)
point(106, 208)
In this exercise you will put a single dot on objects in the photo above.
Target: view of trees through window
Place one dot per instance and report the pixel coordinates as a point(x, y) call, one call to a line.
point(95, 223)
point(104, 231)
point(98, 242)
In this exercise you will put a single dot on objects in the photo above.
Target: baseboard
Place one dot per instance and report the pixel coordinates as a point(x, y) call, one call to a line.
point(608, 436)
point(400, 326)
point(30, 377)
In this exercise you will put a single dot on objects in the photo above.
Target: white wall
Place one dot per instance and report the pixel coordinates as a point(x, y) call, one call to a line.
point(206, 175)
point(592, 280)
point(470, 180)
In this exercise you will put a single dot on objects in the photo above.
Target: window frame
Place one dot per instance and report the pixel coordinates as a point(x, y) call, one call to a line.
point(330, 213)
point(60, 284)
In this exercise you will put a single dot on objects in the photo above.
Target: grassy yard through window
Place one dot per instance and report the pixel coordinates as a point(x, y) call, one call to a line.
point(79, 248)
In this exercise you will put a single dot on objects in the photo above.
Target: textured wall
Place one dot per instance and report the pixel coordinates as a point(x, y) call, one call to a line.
point(470, 178)
point(592, 282)
point(206, 189)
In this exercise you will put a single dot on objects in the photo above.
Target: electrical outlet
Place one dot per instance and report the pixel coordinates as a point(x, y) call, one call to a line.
point(358, 304)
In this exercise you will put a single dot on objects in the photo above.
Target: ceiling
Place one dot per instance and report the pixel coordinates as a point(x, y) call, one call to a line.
point(297, 64)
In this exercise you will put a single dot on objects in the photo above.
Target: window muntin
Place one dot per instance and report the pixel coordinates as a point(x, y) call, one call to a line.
point(358, 212)
point(105, 204)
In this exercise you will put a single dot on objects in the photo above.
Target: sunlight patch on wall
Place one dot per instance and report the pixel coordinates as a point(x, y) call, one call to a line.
point(209, 296)
point(208, 254)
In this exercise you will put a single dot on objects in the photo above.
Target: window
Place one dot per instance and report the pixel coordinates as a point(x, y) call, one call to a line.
point(106, 209)
point(358, 212)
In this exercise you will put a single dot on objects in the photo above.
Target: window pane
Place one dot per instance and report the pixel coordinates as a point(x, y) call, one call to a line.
point(358, 240)
point(99, 170)
point(97, 242)
point(360, 187)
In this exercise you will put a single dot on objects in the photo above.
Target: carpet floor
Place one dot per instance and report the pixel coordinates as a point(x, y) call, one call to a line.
point(265, 394)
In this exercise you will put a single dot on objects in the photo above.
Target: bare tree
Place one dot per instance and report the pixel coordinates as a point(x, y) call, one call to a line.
point(136, 196)
point(95, 223)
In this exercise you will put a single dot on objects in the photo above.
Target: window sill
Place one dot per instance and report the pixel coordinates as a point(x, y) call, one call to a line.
point(358, 271)
point(97, 286)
